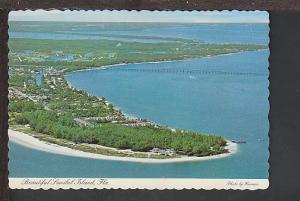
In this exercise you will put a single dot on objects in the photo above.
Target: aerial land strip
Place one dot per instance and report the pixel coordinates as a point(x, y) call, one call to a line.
point(55, 112)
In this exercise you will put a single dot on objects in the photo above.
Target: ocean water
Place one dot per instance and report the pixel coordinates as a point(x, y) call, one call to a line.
point(79, 35)
point(208, 33)
point(225, 95)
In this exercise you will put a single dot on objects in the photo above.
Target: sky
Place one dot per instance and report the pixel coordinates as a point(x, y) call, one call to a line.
point(142, 16)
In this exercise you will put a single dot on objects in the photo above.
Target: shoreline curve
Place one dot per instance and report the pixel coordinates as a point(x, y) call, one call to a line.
point(104, 67)
point(28, 141)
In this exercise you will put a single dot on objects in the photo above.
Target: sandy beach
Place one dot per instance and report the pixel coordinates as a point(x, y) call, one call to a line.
point(34, 143)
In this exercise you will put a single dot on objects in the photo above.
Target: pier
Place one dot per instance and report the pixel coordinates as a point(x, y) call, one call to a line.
point(187, 71)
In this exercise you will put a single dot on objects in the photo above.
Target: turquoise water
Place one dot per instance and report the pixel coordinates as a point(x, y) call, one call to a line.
point(83, 36)
point(234, 105)
point(209, 33)
point(38, 78)
point(226, 95)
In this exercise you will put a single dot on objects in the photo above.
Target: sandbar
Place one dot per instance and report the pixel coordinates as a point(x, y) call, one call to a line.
point(34, 143)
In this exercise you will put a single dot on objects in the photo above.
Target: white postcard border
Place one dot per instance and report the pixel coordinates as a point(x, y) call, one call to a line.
point(114, 183)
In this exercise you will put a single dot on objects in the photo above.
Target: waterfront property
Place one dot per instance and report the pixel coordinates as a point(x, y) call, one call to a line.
point(218, 88)
point(79, 117)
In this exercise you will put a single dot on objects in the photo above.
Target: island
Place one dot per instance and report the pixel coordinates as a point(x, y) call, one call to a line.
point(45, 107)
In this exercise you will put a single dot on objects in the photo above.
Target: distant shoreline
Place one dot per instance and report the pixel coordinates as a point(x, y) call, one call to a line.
point(104, 67)
point(34, 143)
point(155, 62)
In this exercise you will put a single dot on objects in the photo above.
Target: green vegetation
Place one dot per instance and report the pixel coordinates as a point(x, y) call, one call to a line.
point(58, 121)
point(62, 114)
point(123, 137)
point(97, 149)
point(59, 27)
point(70, 55)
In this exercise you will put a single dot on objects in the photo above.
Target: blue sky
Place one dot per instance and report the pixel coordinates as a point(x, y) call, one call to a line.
point(142, 16)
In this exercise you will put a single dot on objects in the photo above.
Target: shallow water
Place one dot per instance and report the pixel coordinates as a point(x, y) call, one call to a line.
point(232, 105)
point(225, 95)
point(209, 33)
point(38, 78)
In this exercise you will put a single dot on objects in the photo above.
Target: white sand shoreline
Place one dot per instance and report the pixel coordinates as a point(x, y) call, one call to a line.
point(34, 143)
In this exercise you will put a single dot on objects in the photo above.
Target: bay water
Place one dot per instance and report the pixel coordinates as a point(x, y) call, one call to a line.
point(225, 95)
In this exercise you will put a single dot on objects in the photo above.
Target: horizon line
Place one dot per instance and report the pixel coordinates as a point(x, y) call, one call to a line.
point(165, 22)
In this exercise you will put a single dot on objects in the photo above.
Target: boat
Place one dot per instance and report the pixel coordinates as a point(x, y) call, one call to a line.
point(238, 141)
